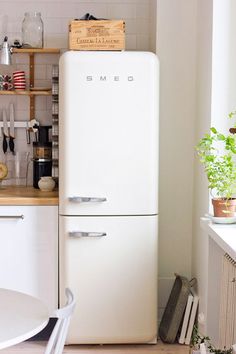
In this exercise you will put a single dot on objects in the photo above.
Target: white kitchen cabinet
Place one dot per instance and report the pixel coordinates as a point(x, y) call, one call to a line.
point(29, 251)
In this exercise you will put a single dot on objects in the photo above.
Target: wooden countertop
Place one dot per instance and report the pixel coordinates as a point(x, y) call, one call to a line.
point(19, 195)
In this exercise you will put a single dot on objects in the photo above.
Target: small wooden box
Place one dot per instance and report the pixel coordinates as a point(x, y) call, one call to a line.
point(97, 35)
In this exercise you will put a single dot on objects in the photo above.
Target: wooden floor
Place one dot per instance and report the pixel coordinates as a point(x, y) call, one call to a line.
point(39, 347)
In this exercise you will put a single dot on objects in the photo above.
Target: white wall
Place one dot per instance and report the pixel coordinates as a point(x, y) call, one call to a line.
point(153, 25)
point(176, 47)
point(216, 97)
point(223, 63)
point(203, 118)
point(56, 15)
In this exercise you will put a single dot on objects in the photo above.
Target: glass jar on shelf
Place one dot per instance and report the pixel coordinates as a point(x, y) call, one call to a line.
point(32, 30)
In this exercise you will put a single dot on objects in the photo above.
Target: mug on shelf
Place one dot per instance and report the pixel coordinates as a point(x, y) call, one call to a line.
point(19, 80)
point(6, 86)
point(5, 78)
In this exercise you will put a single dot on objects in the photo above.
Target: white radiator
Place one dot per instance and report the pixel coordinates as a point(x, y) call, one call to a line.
point(227, 318)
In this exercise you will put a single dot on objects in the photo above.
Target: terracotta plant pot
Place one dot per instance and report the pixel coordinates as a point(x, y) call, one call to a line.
point(224, 207)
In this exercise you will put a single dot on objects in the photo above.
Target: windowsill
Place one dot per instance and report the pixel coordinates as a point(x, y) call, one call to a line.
point(224, 235)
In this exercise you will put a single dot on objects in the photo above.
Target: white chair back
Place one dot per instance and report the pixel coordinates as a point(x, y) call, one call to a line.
point(57, 339)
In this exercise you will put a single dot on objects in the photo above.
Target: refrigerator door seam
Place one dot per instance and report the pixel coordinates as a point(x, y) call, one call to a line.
point(102, 215)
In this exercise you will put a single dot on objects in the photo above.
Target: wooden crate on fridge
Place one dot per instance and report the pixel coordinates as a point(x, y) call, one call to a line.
point(97, 35)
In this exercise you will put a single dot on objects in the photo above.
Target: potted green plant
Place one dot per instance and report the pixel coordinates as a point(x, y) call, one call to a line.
point(217, 153)
point(197, 339)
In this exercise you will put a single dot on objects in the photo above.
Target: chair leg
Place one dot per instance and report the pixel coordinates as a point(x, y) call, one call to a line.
point(57, 339)
point(61, 340)
point(53, 338)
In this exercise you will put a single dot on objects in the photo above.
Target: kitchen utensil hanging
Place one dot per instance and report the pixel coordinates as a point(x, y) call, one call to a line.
point(12, 129)
point(5, 131)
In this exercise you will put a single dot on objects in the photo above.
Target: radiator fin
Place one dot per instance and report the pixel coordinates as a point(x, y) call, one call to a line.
point(227, 319)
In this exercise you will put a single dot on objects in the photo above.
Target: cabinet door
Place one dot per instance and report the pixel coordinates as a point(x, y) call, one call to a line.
point(110, 264)
point(28, 251)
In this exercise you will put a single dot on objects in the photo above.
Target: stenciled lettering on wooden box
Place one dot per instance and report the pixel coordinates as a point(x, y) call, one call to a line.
point(97, 35)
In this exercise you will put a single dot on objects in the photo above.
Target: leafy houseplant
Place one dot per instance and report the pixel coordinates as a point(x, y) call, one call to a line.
point(217, 153)
point(197, 339)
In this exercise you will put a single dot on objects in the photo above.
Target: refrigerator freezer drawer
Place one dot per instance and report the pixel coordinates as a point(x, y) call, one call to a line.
point(110, 264)
point(108, 133)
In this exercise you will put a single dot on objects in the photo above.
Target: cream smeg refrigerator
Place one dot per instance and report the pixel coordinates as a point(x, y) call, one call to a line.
point(108, 192)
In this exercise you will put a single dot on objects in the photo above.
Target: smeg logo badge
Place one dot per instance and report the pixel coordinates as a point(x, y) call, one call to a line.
point(105, 78)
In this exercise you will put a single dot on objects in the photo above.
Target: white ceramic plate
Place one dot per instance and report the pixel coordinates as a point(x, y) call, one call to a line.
point(222, 220)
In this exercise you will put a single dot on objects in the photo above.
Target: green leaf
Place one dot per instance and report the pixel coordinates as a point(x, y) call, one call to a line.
point(220, 137)
point(231, 114)
point(210, 158)
point(217, 154)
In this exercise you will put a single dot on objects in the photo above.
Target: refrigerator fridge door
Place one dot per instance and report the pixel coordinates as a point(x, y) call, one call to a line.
point(110, 264)
point(108, 133)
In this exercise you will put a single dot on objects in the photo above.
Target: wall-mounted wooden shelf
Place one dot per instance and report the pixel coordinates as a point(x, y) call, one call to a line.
point(27, 93)
point(31, 52)
point(36, 50)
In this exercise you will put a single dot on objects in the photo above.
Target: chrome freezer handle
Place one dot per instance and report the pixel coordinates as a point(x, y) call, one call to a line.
point(12, 217)
point(86, 234)
point(87, 199)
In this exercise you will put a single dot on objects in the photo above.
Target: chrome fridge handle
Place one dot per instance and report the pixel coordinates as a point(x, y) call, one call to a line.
point(12, 217)
point(86, 234)
point(87, 199)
